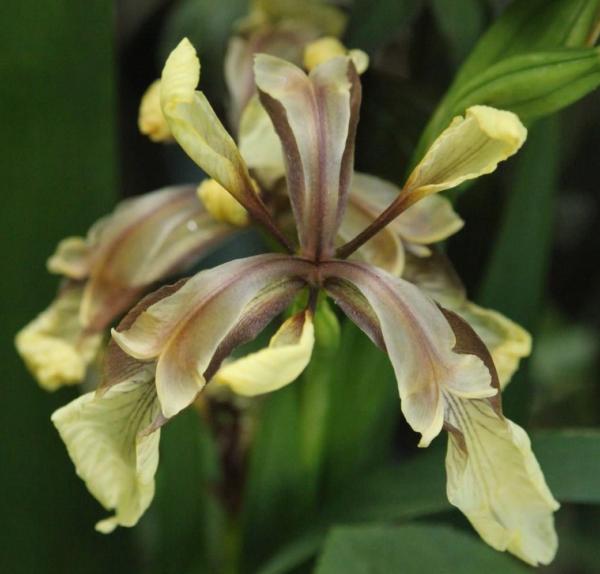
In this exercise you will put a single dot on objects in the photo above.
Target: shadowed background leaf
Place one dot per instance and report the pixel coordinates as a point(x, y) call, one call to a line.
point(59, 174)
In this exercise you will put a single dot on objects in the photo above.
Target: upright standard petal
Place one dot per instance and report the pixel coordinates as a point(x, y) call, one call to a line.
point(184, 330)
point(106, 440)
point(419, 342)
point(315, 117)
point(55, 346)
point(200, 133)
point(277, 365)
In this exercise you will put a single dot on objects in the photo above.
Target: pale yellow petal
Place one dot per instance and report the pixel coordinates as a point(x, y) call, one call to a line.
point(430, 220)
point(151, 120)
point(471, 146)
point(116, 459)
point(259, 145)
point(221, 204)
point(197, 128)
point(507, 342)
point(55, 347)
point(384, 250)
point(495, 480)
point(275, 366)
point(72, 258)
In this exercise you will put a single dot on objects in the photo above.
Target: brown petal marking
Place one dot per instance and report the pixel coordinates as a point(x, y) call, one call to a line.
point(118, 366)
point(257, 315)
point(357, 308)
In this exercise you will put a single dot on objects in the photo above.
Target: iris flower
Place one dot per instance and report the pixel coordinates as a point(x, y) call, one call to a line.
point(174, 342)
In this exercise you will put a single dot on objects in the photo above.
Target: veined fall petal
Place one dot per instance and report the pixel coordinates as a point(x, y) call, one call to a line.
point(183, 331)
point(275, 366)
point(146, 239)
point(419, 342)
point(493, 476)
point(105, 438)
point(315, 117)
point(151, 120)
point(55, 346)
point(495, 480)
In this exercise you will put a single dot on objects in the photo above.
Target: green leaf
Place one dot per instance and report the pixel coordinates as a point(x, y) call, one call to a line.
point(186, 519)
point(532, 25)
point(274, 495)
point(461, 22)
point(410, 550)
point(528, 28)
point(364, 408)
point(57, 111)
point(515, 279)
point(416, 488)
point(571, 462)
point(535, 84)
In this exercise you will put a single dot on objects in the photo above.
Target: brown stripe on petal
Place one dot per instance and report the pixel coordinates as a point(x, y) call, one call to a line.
point(255, 317)
point(356, 307)
point(118, 366)
point(469, 343)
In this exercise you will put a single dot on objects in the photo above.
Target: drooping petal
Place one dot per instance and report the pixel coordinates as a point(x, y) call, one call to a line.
point(315, 117)
point(495, 480)
point(507, 342)
point(420, 344)
point(146, 239)
point(199, 131)
point(55, 347)
point(259, 145)
point(184, 330)
point(151, 120)
point(471, 146)
point(277, 365)
point(105, 438)
point(493, 476)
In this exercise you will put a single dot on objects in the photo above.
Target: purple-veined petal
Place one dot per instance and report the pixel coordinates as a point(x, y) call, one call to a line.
point(184, 330)
point(146, 239)
point(315, 117)
point(420, 344)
